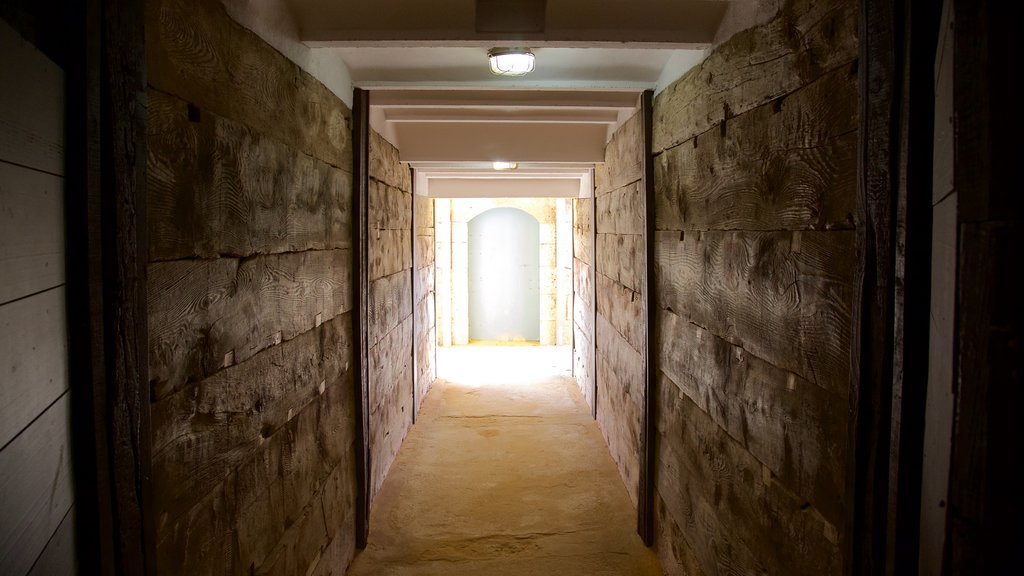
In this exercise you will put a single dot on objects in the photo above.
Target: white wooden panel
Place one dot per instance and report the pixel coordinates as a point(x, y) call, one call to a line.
point(31, 105)
point(33, 359)
point(35, 488)
point(59, 555)
point(31, 231)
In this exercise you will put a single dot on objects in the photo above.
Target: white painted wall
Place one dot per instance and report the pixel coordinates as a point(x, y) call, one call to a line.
point(504, 276)
point(36, 483)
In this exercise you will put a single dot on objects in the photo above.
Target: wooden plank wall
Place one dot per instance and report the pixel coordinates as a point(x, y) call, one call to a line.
point(583, 319)
point(620, 330)
point(36, 485)
point(250, 297)
point(425, 325)
point(390, 307)
point(755, 176)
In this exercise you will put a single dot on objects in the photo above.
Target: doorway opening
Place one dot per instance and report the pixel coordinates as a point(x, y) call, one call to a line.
point(504, 276)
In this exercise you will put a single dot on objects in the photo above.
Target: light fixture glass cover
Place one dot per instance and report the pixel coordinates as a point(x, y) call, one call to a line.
point(506, 165)
point(510, 61)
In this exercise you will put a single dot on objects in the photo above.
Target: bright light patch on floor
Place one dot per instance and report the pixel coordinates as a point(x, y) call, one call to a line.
point(485, 365)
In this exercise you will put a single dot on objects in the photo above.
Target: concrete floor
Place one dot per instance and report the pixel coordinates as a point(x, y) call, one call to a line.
point(504, 473)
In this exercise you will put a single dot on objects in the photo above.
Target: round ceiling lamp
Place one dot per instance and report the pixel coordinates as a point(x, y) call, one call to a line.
point(510, 61)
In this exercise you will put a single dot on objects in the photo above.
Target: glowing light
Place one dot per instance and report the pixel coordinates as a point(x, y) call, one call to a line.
point(506, 165)
point(510, 61)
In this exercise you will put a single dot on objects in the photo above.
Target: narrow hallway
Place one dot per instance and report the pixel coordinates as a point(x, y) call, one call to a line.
point(505, 472)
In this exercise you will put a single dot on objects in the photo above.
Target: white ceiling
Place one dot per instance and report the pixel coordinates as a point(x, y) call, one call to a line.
point(432, 95)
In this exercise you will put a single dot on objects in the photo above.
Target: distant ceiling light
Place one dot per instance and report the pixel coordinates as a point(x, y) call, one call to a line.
point(506, 165)
point(510, 61)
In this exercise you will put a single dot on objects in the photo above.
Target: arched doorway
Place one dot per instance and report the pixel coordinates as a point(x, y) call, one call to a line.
point(504, 276)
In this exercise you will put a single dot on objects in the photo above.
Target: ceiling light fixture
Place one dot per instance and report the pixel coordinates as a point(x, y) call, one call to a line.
point(506, 165)
point(510, 61)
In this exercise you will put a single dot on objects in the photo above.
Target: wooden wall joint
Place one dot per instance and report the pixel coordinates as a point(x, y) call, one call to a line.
point(360, 288)
point(645, 497)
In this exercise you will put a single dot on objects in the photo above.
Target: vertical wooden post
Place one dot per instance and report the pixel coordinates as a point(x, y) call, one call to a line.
point(360, 287)
point(107, 257)
point(415, 268)
point(645, 499)
point(593, 286)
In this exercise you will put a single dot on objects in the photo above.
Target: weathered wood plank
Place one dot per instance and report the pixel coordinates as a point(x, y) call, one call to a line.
point(388, 361)
point(584, 367)
point(783, 296)
point(208, 314)
point(31, 105)
point(620, 376)
point(217, 187)
point(299, 548)
point(807, 39)
point(795, 428)
point(33, 358)
point(390, 208)
point(35, 487)
point(196, 52)
point(202, 541)
point(623, 157)
point(389, 303)
point(621, 211)
point(735, 516)
point(621, 258)
point(424, 248)
point(389, 423)
point(390, 252)
point(624, 310)
point(676, 556)
point(788, 164)
point(385, 166)
point(424, 208)
point(220, 422)
point(31, 232)
point(290, 469)
point(59, 556)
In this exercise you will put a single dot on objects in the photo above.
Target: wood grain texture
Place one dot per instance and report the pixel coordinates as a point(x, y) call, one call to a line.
point(290, 471)
point(217, 187)
point(207, 314)
point(620, 377)
point(624, 311)
point(788, 164)
point(676, 556)
point(202, 541)
point(389, 423)
point(211, 428)
point(33, 359)
point(31, 105)
point(390, 252)
point(583, 230)
point(389, 303)
point(621, 258)
point(35, 487)
point(621, 211)
point(623, 157)
point(31, 232)
point(785, 297)
point(385, 166)
point(388, 361)
point(735, 516)
point(793, 427)
point(196, 52)
point(758, 65)
point(390, 208)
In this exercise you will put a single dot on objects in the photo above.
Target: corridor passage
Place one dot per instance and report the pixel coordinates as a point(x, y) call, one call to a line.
point(504, 473)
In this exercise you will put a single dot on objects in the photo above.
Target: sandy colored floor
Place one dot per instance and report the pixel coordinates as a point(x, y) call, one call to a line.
point(504, 473)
